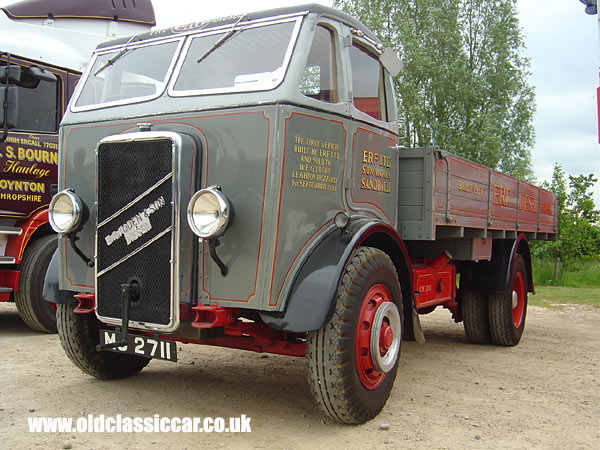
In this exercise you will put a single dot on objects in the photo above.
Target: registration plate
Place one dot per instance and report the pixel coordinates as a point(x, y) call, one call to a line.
point(141, 346)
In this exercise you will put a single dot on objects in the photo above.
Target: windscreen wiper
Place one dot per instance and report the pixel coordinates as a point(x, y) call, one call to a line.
point(221, 41)
point(119, 55)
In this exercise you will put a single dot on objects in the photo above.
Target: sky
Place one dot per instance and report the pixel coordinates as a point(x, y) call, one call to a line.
point(562, 43)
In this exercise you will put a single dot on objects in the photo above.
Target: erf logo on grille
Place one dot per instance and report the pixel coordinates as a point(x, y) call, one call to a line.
point(138, 225)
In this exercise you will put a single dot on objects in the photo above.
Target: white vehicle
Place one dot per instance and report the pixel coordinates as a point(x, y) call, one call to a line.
point(44, 47)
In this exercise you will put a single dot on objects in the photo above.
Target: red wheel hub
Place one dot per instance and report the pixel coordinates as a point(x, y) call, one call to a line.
point(369, 376)
point(518, 300)
point(386, 338)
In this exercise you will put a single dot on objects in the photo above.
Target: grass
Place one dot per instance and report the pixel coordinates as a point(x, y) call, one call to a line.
point(578, 283)
point(559, 296)
point(577, 274)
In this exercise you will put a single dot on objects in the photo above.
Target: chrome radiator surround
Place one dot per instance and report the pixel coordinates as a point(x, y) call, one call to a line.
point(132, 222)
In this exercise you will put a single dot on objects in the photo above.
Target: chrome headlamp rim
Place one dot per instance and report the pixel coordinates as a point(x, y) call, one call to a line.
point(77, 214)
point(222, 214)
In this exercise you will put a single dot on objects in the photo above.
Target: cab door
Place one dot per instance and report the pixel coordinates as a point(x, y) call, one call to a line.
point(373, 132)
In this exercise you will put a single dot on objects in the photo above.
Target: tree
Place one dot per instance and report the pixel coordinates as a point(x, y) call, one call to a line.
point(581, 233)
point(578, 220)
point(464, 86)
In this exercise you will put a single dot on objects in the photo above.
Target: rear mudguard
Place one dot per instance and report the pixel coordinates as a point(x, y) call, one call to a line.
point(521, 247)
point(312, 296)
point(51, 292)
point(494, 275)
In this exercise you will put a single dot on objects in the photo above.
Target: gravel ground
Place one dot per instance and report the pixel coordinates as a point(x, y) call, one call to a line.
point(542, 394)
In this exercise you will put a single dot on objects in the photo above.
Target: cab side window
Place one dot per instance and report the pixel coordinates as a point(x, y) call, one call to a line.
point(38, 104)
point(367, 83)
point(319, 80)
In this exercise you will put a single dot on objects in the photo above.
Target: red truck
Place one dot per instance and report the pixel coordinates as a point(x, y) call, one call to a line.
point(44, 47)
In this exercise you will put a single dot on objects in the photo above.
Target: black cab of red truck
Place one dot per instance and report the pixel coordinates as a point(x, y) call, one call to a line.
point(44, 47)
point(237, 182)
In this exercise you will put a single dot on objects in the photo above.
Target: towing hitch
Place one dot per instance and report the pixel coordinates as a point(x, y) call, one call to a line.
point(129, 292)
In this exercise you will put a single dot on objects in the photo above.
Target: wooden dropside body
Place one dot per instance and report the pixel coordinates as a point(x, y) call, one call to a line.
point(441, 195)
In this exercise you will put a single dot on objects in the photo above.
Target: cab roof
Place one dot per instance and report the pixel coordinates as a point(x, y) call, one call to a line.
point(250, 16)
point(137, 11)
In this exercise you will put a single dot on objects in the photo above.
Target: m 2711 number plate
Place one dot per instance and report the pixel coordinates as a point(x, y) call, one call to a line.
point(141, 346)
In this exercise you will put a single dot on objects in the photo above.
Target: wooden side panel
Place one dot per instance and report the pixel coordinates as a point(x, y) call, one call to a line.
point(468, 200)
point(461, 191)
point(503, 201)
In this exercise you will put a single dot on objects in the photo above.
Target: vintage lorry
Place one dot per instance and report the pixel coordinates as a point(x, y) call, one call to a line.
point(44, 47)
point(237, 182)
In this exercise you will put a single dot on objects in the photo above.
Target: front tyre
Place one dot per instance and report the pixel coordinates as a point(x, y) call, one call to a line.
point(36, 312)
point(352, 360)
point(507, 310)
point(79, 336)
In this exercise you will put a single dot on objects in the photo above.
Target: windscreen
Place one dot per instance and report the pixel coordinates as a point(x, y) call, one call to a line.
point(244, 59)
point(127, 74)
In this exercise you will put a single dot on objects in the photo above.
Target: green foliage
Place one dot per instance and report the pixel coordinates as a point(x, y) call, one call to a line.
point(543, 272)
point(578, 220)
point(584, 272)
point(464, 85)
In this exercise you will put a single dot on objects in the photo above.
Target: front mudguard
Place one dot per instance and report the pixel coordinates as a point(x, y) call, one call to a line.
point(312, 296)
point(51, 292)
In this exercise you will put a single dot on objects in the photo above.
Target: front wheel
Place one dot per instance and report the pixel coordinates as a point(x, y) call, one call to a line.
point(507, 310)
point(352, 360)
point(79, 336)
point(36, 312)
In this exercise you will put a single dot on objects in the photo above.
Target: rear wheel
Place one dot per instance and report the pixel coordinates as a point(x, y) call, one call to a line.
point(36, 312)
point(352, 361)
point(507, 310)
point(475, 317)
point(79, 336)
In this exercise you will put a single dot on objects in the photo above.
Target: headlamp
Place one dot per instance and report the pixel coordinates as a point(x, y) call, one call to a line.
point(208, 212)
point(65, 211)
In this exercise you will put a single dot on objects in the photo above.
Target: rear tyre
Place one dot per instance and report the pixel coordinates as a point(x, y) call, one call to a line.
point(352, 360)
point(507, 310)
point(475, 317)
point(79, 335)
point(36, 312)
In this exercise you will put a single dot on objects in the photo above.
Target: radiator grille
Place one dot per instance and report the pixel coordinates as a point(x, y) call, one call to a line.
point(154, 278)
point(134, 236)
point(126, 169)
